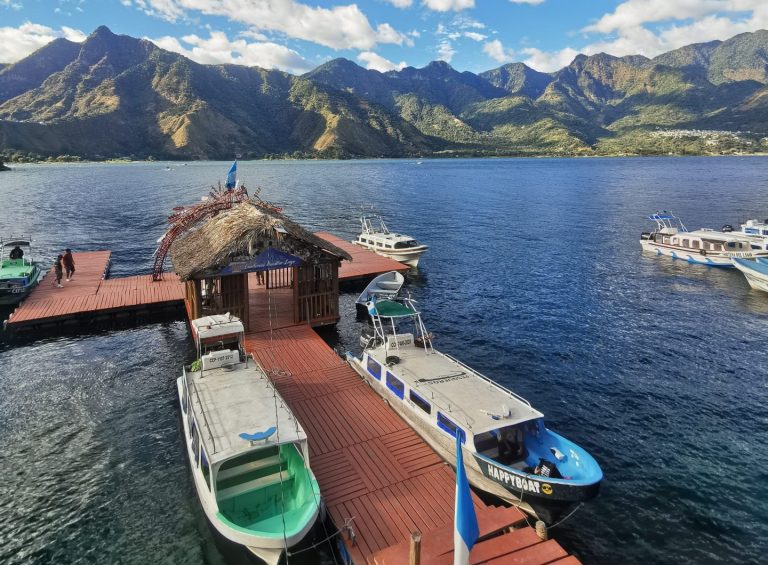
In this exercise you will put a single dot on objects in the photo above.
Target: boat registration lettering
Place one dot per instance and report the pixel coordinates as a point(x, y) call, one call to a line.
point(516, 481)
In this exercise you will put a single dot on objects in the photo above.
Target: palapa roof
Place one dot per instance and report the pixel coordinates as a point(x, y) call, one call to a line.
point(244, 231)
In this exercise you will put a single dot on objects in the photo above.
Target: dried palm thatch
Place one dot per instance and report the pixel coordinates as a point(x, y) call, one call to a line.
point(245, 231)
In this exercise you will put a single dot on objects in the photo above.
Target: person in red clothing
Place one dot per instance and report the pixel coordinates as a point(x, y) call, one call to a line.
point(69, 263)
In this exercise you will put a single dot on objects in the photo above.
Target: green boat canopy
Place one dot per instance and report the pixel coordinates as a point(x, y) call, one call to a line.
point(392, 309)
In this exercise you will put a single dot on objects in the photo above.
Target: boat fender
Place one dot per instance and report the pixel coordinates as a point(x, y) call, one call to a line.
point(703, 252)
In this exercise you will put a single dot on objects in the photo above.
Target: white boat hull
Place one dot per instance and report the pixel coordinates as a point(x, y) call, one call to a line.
point(756, 280)
point(268, 549)
point(408, 257)
point(712, 258)
point(444, 445)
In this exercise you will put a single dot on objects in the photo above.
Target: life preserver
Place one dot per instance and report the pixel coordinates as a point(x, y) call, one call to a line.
point(703, 252)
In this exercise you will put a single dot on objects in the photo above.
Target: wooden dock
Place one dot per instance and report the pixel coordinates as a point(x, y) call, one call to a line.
point(374, 471)
point(89, 295)
point(365, 263)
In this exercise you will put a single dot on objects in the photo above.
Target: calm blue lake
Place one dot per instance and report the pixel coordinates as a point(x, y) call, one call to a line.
point(534, 277)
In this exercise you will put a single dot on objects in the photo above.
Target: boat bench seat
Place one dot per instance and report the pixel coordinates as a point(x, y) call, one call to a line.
point(248, 467)
point(255, 484)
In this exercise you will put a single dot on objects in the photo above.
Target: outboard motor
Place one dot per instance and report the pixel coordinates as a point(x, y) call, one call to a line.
point(727, 228)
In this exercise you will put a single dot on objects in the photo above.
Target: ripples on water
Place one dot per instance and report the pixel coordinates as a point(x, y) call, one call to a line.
point(534, 276)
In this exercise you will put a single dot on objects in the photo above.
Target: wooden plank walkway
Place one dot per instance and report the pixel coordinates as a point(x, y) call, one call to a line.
point(364, 263)
point(90, 295)
point(372, 468)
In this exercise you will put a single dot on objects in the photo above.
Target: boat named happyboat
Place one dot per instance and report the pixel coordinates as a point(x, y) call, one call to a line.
point(703, 246)
point(509, 451)
point(248, 453)
point(379, 239)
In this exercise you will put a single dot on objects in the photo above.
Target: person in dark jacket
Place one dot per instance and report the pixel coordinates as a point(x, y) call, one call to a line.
point(16, 253)
point(59, 269)
point(69, 263)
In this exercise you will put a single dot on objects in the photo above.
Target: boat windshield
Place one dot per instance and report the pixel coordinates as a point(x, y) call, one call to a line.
point(406, 244)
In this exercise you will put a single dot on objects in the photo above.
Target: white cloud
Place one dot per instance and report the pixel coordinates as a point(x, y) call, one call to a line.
point(545, 61)
point(12, 4)
point(18, 42)
point(378, 63)
point(401, 3)
point(445, 51)
point(217, 49)
point(448, 5)
point(532, 2)
point(474, 36)
point(496, 51)
point(339, 27)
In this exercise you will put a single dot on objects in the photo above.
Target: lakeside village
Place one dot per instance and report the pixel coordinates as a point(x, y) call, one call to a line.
point(265, 406)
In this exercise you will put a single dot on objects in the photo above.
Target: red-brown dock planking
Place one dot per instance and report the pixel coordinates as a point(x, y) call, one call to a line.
point(372, 468)
point(90, 295)
point(364, 263)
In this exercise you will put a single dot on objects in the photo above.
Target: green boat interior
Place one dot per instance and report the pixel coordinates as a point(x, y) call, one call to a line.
point(16, 268)
point(267, 491)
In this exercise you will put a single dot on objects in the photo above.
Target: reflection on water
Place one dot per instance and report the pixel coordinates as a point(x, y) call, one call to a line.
point(534, 276)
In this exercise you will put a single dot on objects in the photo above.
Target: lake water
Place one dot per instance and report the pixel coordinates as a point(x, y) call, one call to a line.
point(534, 276)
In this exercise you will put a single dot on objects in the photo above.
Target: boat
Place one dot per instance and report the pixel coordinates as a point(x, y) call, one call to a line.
point(508, 450)
point(756, 272)
point(18, 275)
point(386, 285)
point(375, 236)
point(703, 246)
point(247, 451)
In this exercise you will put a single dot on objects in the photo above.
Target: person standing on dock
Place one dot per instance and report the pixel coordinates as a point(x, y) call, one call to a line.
point(69, 263)
point(59, 269)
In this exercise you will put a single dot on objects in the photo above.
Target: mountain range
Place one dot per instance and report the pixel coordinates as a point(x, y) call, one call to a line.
point(115, 96)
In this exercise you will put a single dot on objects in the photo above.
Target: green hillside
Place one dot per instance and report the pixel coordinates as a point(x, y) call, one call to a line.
point(116, 96)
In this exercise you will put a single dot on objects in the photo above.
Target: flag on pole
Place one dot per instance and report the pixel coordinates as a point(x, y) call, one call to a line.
point(465, 530)
point(232, 176)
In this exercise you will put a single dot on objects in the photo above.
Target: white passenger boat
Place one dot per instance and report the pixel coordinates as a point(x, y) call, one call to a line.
point(703, 246)
point(755, 230)
point(756, 272)
point(375, 235)
point(509, 452)
point(386, 285)
point(248, 453)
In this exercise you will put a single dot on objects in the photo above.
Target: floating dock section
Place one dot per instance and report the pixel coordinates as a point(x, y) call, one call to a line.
point(90, 296)
point(365, 264)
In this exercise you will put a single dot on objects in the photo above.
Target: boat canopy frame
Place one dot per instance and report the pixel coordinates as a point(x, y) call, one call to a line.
point(667, 221)
point(367, 227)
point(391, 310)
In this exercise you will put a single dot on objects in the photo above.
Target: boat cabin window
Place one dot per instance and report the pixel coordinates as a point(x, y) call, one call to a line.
point(686, 243)
point(380, 244)
point(765, 232)
point(447, 425)
point(195, 444)
point(674, 241)
point(395, 385)
point(717, 247)
point(405, 244)
point(420, 402)
point(665, 240)
point(755, 246)
point(374, 368)
point(388, 246)
point(505, 445)
point(205, 468)
point(696, 243)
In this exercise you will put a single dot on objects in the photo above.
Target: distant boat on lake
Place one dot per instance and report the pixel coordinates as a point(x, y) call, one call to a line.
point(703, 246)
point(375, 236)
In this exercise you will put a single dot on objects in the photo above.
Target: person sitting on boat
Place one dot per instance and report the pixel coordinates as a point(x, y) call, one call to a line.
point(511, 446)
point(547, 469)
point(16, 253)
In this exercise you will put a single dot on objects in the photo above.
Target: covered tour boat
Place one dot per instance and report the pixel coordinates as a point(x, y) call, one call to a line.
point(248, 453)
point(703, 246)
point(509, 451)
point(18, 273)
point(379, 239)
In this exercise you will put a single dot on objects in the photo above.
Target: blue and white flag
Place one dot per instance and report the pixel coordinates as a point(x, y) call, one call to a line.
point(232, 176)
point(465, 529)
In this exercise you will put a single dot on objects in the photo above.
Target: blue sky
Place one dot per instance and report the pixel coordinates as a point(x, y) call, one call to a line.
point(297, 35)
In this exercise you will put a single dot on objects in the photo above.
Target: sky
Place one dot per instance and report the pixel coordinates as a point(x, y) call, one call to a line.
point(471, 35)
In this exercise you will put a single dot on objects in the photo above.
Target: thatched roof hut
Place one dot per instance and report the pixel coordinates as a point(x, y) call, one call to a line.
point(241, 232)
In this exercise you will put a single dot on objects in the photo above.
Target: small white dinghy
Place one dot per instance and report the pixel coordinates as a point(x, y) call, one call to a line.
point(383, 286)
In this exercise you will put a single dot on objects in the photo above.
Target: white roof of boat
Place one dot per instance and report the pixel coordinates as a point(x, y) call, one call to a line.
point(217, 325)
point(394, 237)
point(239, 401)
point(475, 403)
point(714, 235)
